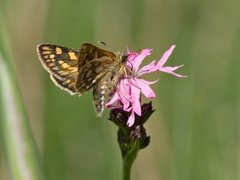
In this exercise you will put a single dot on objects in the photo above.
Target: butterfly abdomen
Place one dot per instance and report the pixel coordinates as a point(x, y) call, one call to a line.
point(100, 91)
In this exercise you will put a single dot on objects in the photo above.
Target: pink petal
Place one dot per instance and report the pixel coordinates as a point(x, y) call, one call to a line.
point(113, 100)
point(151, 82)
point(135, 61)
point(165, 56)
point(135, 99)
point(126, 104)
point(171, 70)
point(131, 119)
point(151, 67)
point(130, 59)
point(124, 93)
point(145, 88)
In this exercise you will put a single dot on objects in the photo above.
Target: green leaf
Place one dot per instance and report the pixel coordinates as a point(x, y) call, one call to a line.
point(19, 148)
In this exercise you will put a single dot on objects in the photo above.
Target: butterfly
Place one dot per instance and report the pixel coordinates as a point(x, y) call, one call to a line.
point(78, 71)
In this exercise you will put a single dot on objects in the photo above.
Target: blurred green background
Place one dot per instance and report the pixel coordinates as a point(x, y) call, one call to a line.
point(195, 129)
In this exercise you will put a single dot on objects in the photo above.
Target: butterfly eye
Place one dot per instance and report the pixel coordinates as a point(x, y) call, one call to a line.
point(124, 58)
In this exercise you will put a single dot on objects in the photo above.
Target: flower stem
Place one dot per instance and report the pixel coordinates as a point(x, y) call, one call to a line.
point(131, 139)
point(128, 160)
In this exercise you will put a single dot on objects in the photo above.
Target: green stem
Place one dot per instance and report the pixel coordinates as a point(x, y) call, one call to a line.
point(128, 160)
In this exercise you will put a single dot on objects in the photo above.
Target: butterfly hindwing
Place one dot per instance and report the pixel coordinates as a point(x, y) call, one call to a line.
point(91, 72)
point(101, 89)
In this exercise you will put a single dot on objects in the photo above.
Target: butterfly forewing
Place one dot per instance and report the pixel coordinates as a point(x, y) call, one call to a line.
point(58, 60)
point(88, 52)
point(61, 63)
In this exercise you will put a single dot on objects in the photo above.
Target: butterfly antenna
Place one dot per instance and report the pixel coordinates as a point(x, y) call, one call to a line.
point(102, 43)
point(105, 45)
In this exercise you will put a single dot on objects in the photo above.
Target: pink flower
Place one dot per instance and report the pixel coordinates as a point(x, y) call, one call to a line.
point(129, 89)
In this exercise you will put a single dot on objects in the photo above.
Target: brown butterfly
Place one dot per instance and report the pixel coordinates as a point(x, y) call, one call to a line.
point(77, 71)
